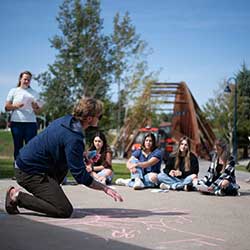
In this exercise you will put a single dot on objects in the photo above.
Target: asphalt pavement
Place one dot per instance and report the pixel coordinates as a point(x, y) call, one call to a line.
point(147, 219)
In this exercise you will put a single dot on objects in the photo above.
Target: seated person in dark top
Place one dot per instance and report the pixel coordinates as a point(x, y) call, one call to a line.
point(181, 170)
point(101, 170)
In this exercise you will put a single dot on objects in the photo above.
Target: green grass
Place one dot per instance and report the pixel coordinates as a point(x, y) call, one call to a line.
point(6, 144)
point(241, 168)
point(6, 170)
point(120, 171)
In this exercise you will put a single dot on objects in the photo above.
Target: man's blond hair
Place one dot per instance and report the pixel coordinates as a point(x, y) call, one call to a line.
point(87, 106)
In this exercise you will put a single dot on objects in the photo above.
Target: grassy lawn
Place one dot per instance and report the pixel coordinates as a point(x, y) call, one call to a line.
point(6, 160)
point(6, 170)
point(241, 168)
point(6, 144)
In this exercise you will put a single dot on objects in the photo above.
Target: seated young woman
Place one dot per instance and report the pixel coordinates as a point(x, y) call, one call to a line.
point(220, 177)
point(181, 170)
point(101, 169)
point(144, 165)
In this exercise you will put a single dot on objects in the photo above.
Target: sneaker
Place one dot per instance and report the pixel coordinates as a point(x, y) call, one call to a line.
point(138, 184)
point(219, 193)
point(247, 180)
point(122, 182)
point(164, 186)
point(10, 205)
point(188, 187)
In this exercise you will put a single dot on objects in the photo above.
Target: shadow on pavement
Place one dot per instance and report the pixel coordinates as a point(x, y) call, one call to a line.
point(111, 213)
point(17, 232)
point(121, 213)
point(244, 193)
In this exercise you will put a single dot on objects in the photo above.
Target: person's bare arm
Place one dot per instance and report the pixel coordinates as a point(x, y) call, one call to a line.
point(36, 108)
point(144, 164)
point(9, 106)
point(130, 165)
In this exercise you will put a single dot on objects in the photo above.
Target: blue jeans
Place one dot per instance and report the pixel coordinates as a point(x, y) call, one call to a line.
point(174, 182)
point(108, 178)
point(145, 179)
point(22, 132)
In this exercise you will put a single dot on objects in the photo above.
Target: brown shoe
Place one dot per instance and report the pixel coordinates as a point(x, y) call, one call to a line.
point(10, 205)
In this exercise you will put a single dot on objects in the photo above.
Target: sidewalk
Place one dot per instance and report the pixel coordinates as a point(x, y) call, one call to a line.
point(145, 220)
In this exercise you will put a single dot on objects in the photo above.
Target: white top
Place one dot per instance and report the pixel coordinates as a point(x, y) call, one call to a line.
point(25, 96)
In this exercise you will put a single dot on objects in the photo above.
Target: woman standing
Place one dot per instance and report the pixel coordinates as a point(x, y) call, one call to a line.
point(144, 165)
point(22, 101)
point(220, 178)
point(181, 169)
point(101, 170)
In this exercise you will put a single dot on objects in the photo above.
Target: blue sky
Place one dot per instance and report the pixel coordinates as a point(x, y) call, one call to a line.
point(201, 42)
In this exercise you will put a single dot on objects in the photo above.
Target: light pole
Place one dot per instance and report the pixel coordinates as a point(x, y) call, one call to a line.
point(227, 89)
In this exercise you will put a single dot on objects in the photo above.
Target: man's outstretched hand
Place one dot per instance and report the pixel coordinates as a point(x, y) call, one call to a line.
point(111, 192)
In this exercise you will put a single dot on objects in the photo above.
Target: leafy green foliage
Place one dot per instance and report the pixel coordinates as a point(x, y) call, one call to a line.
point(217, 111)
point(89, 61)
point(220, 110)
point(82, 66)
point(243, 78)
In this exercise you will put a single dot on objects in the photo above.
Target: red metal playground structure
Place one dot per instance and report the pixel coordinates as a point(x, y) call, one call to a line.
point(186, 120)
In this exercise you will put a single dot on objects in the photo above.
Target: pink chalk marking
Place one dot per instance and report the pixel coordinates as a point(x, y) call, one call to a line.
point(188, 240)
point(124, 234)
point(123, 227)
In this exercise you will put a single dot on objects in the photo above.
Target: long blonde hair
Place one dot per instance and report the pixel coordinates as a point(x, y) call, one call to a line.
point(186, 157)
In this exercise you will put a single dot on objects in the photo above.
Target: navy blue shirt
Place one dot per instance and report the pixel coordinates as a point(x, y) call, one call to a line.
point(57, 148)
point(141, 157)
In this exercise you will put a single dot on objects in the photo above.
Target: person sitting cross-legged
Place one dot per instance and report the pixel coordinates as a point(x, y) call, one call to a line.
point(181, 170)
point(220, 177)
point(101, 170)
point(144, 165)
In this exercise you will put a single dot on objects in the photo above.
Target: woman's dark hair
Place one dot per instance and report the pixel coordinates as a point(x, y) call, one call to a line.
point(152, 136)
point(104, 150)
point(21, 75)
point(104, 140)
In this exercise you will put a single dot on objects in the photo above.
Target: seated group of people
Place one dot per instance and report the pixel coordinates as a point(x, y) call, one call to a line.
point(181, 170)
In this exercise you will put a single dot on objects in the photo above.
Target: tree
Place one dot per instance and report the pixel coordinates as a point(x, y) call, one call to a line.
point(243, 78)
point(82, 65)
point(88, 61)
point(126, 46)
point(219, 110)
point(216, 110)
